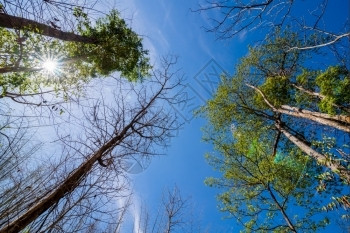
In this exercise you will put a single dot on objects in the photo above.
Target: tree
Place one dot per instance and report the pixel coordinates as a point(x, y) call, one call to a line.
point(174, 214)
point(173, 207)
point(277, 102)
point(268, 99)
point(109, 45)
point(35, 55)
point(112, 134)
point(260, 190)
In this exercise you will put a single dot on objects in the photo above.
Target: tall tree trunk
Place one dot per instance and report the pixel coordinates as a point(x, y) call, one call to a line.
point(14, 22)
point(321, 118)
point(341, 118)
point(70, 183)
point(18, 69)
point(320, 158)
point(67, 186)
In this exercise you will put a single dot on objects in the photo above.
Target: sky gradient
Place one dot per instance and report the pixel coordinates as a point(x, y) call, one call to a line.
point(170, 27)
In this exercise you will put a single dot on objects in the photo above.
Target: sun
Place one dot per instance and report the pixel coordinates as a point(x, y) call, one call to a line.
point(49, 65)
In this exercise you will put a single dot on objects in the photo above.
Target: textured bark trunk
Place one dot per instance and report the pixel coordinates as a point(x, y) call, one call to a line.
point(332, 121)
point(322, 159)
point(322, 118)
point(66, 187)
point(14, 22)
point(52, 198)
point(18, 69)
point(342, 118)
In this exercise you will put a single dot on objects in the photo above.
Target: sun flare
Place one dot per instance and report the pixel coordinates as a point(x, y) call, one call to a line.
point(50, 65)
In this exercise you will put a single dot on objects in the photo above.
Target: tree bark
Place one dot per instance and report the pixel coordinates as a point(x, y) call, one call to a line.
point(341, 118)
point(14, 22)
point(18, 69)
point(320, 158)
point(321, 118)
point(331, 121)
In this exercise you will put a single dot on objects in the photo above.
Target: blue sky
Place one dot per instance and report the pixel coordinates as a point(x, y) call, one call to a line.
point(169, 27)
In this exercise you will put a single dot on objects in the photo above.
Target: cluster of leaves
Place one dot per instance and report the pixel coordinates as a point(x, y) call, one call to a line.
point(333, 84)
point(115, 46)
point(343, 201)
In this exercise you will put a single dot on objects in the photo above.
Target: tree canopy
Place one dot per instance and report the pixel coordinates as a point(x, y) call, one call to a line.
point(93, 49)
point(273, 107)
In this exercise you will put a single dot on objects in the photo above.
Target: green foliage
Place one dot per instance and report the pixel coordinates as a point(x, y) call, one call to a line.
point(116, 47)
point(334, 83)
point(112, 47)
point(338, 202)
point(276, 89)
point(22, 49)
point(253, 166)
point(249, 172)
point(275, 71)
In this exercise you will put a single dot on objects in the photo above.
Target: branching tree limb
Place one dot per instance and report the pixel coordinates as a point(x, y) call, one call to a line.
point(122, 131)
point(339, 121)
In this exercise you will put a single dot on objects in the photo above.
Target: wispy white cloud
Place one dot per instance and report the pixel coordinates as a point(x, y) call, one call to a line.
point(167, 19)
point(128, 198)
point(242, 36)
point(205, 46)
point(136, 213)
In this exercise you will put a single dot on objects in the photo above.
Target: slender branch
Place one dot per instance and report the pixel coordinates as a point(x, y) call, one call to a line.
point(339, 37)
point(285, 216)
point(264, 97)
point(278, 136)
